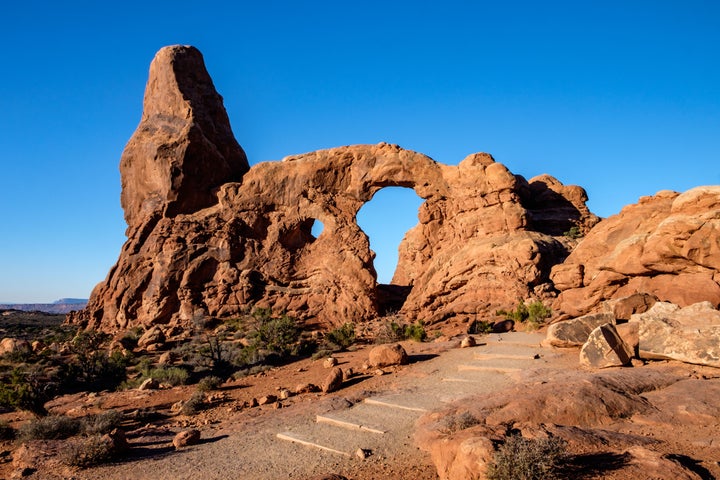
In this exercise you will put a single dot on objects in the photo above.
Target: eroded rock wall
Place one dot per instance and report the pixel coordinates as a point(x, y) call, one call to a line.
point(667, 245)
point(208, 237)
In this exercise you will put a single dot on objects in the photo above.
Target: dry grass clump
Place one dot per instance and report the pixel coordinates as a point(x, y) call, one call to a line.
point(87, 451)
point(460, 421)
point(528, 459)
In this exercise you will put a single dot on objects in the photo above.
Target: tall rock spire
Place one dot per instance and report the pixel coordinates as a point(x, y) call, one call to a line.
point(184, 148)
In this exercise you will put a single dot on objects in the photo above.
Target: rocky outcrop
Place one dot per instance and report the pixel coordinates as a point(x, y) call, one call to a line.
point(184, 148)
point(690, 334)
point(667, 245)
point(208, 238)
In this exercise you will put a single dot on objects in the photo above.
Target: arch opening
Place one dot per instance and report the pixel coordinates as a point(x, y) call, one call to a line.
point(385, 219)
point(301, 234)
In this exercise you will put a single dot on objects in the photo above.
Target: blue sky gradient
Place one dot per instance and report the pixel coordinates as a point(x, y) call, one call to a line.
point(622, 98)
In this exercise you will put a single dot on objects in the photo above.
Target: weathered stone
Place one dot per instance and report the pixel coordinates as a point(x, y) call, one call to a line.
point(629, 332)
point(333, 381)
point(625, 307)
point(186, 438)
point(306, 388)
point(667, 245)
point(388, 355)
point(149, 384)
point(167, 358)
point(468, 341)
point(575, 332)
point(503, 326)
point(267, 399)
point(330, 362)
point(10, 345)
point(152, 336)
point(604, 348)
point(690, 334)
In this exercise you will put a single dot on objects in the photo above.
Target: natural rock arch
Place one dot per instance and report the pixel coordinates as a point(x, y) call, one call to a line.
point(244, 239)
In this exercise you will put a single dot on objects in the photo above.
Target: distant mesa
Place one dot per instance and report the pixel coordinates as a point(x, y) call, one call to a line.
point(209, 237)
point(62, 306)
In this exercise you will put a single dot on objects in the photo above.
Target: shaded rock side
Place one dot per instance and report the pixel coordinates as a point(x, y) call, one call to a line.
point(667, 245)
point(208, 239)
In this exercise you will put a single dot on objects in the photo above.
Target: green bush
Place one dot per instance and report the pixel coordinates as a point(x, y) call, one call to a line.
point(480, 327)
point(171, 375)
point(574, 233)
point(26, 390)
point(342, 337)
point(277, 334)
point(209, 383)
point(528, 459)
point(395, 332)
point(194, 404)
point(52, 427)
point(533, 314)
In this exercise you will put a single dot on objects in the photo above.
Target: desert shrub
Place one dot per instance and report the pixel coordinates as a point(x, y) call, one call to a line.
point(480, 327)
point(573, 233)
point(87, 451)
point(527, 459)
point(341, 337)
point(6, 431)
point(101, 423)
point(52, 427)
point(393, 331)
point(533, 315)
point(92, 367)
point(194, 404)
point(209, 383)
point(24, 389)
point(171, 375)
point(277, 334)
point(460, 421)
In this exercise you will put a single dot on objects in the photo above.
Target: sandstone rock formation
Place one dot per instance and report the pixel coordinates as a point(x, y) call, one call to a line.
point(690, 334)
point(605, 348)
point(667, 245)
point(209, 238)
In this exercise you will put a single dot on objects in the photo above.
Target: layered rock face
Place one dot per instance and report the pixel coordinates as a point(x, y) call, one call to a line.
point(209, 238)
point(667, 245)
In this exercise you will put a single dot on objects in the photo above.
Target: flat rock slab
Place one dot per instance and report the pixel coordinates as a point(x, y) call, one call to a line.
point(295, 438)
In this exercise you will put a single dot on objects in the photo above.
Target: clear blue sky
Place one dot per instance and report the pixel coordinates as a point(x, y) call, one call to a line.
point(621, 97)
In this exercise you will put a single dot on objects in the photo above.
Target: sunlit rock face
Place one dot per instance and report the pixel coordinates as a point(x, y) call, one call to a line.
point(667, 245)
point(210, 237)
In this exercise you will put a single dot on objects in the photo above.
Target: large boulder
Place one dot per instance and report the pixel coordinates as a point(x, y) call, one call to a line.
point(690, 334)
point(667, 245)
point(387, 356)
point(575, 332)
point(605, 348)
point(209, 238)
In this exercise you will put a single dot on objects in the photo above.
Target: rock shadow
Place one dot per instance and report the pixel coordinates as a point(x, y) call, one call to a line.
point(591, 465)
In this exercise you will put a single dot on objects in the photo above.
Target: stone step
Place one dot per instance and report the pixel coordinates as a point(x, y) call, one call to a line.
point(329, 438)
point(373, 418)
point(401, 402)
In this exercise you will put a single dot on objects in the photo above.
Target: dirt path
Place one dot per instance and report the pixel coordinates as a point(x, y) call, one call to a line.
point(322, 435)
